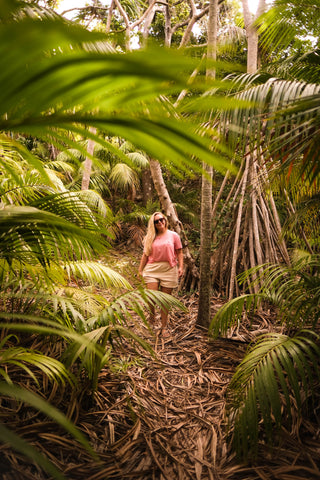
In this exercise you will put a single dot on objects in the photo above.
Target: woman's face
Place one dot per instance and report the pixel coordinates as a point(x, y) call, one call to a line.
point(159, 223)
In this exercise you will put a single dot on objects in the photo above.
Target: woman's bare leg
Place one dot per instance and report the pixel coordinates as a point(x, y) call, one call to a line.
point(164, 312)
point(152, 286)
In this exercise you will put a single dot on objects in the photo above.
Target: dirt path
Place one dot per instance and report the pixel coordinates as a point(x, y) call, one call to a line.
point(161, 417)
point(164, 419)
point(177, 401)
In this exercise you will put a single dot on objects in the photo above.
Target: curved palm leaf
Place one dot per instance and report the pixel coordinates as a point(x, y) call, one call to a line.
point(107, 326)
point(49, 410)
point(285, 24)
point(274, 371)
point(26, 358)
point(97, 273)
point(282, 119)
point(294, 290)
point(231, 313)
point(66, 86)
point(138, 159)
point(135, 302)
point(123, 176)
point(72, 207)
point(31, 235)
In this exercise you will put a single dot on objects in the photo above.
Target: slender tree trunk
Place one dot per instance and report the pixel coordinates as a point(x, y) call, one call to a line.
point(252, 34)
point(146, 186)
point(206, 190)
point(167, 26)
point(88, 162)
point(109, 17)
point(205, 249)
point(147, 23)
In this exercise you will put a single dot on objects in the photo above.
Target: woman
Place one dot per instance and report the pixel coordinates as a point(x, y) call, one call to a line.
point(162, 262)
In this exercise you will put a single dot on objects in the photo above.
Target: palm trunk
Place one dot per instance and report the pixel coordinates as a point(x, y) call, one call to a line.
point(206, 189)
point(88, 162)
point(146, 186)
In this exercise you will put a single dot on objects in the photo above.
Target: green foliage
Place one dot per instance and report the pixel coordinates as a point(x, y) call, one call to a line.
point(280, 116)
point(286, 28)
point(57, 75)
point(277, 370)
point(38, 403)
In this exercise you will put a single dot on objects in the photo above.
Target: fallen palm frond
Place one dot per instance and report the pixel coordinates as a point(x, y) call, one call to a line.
point(162, 416)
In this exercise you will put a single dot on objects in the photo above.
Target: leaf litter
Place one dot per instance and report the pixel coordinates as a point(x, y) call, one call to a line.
point(161, 417)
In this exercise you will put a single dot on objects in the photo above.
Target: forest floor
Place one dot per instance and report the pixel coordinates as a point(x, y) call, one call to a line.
point(161, 416)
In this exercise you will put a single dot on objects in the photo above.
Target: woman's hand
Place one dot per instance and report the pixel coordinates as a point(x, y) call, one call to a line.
point(143, 263)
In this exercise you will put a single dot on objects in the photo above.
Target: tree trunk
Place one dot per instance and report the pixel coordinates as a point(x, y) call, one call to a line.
point(252, 34)
point(88, 162)
point(146, 186)
point(206, 190)
point(167, 26)
point(203, 317)
point(147, 23)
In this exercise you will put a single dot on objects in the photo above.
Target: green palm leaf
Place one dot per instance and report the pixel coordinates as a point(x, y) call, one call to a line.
point(96, 273)
point(230, 314)
point(23, 357)
point(276, 367)
point(30, 235)
point(49, 410)
point(67, 86)
point(123, 177)
point(281, 118)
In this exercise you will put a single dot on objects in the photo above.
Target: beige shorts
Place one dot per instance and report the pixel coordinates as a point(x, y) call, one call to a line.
point(162, 273)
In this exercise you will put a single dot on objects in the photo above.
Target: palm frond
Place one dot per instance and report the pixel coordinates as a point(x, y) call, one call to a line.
point(31, 235)
point(25, 359)
point(108, 326)
point(138, 159)
point(231, 313)
point(282, 118)
point(283, 26)
point(275, 370)
point(70, 84)
point(97, 274)
point(124, 177)
point(37, 402)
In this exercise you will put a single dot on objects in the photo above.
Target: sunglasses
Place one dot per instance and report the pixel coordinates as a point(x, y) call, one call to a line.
point(159, 220)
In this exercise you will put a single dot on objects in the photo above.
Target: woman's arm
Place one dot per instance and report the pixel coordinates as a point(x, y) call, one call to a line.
point(143, 263)
point(180, 261)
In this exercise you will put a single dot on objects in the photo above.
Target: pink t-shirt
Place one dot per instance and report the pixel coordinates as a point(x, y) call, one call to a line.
point(164, 248)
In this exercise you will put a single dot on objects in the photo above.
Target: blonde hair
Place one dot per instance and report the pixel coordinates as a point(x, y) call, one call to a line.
point(151, 233)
